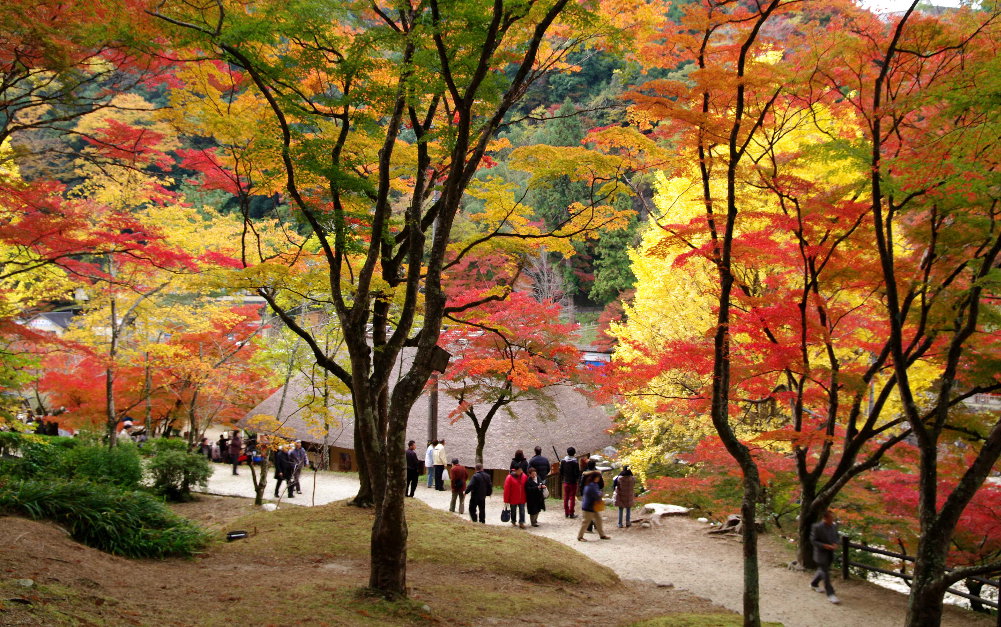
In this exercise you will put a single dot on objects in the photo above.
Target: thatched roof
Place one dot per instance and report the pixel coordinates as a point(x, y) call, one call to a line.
point(574, 422)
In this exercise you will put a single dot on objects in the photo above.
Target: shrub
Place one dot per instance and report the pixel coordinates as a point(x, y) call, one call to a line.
point(42, 455)
point(131, 524)
point(119, 466)
point(173, 470)
point(12, 442)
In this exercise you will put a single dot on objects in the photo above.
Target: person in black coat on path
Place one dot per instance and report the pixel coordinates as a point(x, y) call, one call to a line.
point(283, 471)
point(481, 485)
point(413, 468)
point(533, 496)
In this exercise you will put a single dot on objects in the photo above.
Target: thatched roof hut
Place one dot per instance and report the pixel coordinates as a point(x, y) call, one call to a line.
point(521, 425)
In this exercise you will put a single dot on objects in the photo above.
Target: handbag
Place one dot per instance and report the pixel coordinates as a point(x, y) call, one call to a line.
point(545, 491)
point(599, 506)
point(505, 515)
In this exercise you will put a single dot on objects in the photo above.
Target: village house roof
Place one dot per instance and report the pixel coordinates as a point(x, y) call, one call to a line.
point(575, 422)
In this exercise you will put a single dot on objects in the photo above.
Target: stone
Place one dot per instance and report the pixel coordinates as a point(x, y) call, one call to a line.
point(702, 519)
point(660, 509)
point(269, 507)
point(25, 583)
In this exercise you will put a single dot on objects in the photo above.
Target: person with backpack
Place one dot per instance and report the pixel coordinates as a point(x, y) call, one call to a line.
point(481, 485)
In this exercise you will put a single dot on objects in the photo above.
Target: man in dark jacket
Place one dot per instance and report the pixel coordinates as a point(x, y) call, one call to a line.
point(299, 460)
point(541, 465)
point(569, 476)
point(283, 471)
point(413, 468)
point(825, 538)
point(481, 485)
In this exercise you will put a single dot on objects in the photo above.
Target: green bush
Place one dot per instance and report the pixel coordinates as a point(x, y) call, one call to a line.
point(131, 524)
point(119, 466)
point(67, 458)
point(173, 470)
point(13, 443)
point(43, 456)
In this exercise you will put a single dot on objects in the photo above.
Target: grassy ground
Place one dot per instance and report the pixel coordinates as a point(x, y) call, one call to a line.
point(308, 566)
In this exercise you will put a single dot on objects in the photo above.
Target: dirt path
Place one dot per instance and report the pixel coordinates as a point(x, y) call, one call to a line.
point(678, 552)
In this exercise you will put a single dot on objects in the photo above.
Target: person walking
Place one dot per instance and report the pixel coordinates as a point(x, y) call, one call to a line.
point(590, 470)
point(457, 476)
point(625, 494)
point(519, 461)
point(429, 462)
point(541, 465)
point(223, 445)
point(825, 538)
point(592, 506)
point(534, 502)
point(569, 476)
point(283, 470)
point(413, 469)
point(514, 496)
point(299, 460)
point(235, 447)
point(439, 465)
point(481, 485)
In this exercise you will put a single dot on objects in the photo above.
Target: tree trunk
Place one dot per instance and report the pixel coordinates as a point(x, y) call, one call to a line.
point(924, 605)
point(749, 535)
point(481, 443)
point(388, 551)
point(365, 496)
point(192, 418)
point(260, 484)
point(808, 514)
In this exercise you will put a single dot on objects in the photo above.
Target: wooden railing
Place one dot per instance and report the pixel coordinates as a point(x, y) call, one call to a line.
point(846, 562)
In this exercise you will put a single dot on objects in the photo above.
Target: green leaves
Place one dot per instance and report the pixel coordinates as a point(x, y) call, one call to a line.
point(131, 524)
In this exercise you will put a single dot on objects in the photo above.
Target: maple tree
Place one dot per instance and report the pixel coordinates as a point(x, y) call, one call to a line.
point(379, 116)
point(808, 326)
point(503, 353)
point(933, 159)
point(719, 115)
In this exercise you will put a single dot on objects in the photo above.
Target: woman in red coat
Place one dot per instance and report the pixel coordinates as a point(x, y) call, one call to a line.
point(514, 495)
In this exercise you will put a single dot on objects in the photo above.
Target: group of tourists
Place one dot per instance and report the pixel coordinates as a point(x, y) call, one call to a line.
point(232, 450)
point(289, 461)
point(524, 489)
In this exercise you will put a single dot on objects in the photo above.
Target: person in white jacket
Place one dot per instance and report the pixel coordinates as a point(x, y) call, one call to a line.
point(439, 465)
point(429, 462)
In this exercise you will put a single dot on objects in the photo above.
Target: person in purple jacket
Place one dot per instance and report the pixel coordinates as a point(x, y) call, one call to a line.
point(591, 504)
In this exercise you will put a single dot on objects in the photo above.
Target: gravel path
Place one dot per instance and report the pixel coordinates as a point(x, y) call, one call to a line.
point(677, 552)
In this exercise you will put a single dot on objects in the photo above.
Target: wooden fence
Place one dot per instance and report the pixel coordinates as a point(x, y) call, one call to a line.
point(846, 562)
